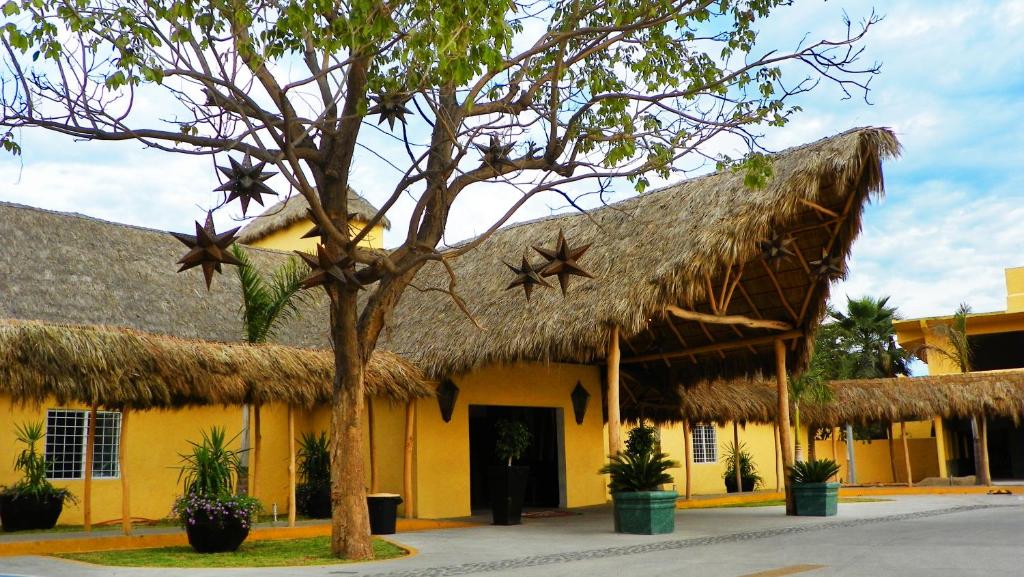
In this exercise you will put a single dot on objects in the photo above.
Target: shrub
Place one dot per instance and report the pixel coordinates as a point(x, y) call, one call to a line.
point(513, 440)
point(747, 468)
point(642, 466)
point(818, 471)
point(32, 464)
point(315, 459)
point(212, 468)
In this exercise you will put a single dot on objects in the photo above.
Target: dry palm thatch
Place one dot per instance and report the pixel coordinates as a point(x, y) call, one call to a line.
point(294, 209)
point(742, 401)
point(676, 246)
point(116, 367)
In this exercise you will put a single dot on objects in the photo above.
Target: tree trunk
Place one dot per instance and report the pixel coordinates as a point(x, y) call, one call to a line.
point(985, 475)
point(976, 438)
point(798, 450)
point(812, 451)
point(350, 527)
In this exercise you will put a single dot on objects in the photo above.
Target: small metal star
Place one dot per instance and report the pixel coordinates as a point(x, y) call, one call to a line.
point(527, 277)
point(207, 249)
point(391, 107)
point(327, 265)
point(245, 182)
point(562, 261)
point(496, 153)
point(828, 267)
point(777, 250)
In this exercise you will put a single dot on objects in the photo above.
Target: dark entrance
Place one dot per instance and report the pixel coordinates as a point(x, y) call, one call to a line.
point(1005, 449)
point(542, 488)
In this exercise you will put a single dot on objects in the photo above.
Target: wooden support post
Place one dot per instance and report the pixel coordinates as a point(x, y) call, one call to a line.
point(291, 466)
point(985, 474)
point(778, 475)
point(90, 451)
point(785, 440)
point(122, 458)
point(736, 456)
point(835, 448)
point(374, 487)
point(688, 458)
point(892, 454)
point(614, 419)
point(410, 432)
point(254, 459)
point(906, 453)
point(940, 447)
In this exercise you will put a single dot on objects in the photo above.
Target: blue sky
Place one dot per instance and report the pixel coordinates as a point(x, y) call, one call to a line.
point(952, 87)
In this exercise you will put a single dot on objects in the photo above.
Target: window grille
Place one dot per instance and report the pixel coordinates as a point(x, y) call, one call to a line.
point(67, 432)
point(705, 444)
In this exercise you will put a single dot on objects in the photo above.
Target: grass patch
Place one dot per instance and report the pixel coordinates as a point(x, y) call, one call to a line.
point(283, 553)
point(778, 502)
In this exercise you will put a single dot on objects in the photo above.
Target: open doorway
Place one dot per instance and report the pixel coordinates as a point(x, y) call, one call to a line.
point(544, 457)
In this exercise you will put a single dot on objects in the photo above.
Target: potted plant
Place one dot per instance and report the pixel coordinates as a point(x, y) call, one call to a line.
point(215, 518)
point(313, 494)
point(748, 471)
point(637, 475)
point(33, 502)
point(507, 481)
point(813, 494)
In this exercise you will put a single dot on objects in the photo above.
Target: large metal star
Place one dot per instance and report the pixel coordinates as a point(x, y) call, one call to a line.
point(327, 265)
point(527, 277)
point(391, 107)
point(562, 261)
point(828, 267)
point(777, 250)
point(207, 249)
point(245, 182)
point(496, 153)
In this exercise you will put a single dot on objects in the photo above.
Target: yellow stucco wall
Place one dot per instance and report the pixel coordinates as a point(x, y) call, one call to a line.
point(707, 477)
point(442, 472)
point(290, 237)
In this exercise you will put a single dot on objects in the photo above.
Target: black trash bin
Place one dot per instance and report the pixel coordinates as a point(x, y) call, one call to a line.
point(383, 512)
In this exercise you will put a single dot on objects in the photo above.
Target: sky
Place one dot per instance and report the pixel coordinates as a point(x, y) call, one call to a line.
point(951, 87)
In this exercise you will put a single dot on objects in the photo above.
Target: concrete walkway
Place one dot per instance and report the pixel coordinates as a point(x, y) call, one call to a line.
point(556, 545)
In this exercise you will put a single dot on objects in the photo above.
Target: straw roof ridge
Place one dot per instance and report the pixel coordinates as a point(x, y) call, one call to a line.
point(120, 367)
point(288, 211)
point(647, 252)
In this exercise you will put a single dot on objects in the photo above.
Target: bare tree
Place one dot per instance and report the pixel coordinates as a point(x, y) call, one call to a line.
point(541, 95)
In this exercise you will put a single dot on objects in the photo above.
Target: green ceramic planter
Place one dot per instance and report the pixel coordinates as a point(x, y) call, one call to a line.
point(645, 512)
point(816, 499)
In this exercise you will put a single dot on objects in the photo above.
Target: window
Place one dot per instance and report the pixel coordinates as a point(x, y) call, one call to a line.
point(67, 432)
point(705, 444)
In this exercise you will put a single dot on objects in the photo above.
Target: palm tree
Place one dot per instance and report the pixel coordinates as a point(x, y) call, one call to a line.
point(266, 304)
point(959, 352)
point(867, 333)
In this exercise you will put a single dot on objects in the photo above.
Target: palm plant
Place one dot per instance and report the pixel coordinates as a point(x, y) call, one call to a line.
point(813, 471)
point(313, 495)
point(748, 470)
point(867, 333)
point(211, 469)
point(268, 301)
point(810, 387)
point(642, 466)
point(32, 464)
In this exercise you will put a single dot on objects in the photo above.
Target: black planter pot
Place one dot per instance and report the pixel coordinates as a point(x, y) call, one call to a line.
point(508, 485)
point(207, 537)
point(28, 512)
point(748, 484)
point(314, 501)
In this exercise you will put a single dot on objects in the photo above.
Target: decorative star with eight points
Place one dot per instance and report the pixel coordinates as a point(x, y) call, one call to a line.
point(828, 267)
point(496, 154)
point(327, 265)
point(245, 182)
point(527, 277)
point(562, 261)
point(391, 107)
point(207, 249)
point(777, 249)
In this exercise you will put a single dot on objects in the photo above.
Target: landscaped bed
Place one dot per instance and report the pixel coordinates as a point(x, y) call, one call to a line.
point(283, 553)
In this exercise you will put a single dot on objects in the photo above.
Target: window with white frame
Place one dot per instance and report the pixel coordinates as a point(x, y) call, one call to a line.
point(705, 444)
point(67, 432)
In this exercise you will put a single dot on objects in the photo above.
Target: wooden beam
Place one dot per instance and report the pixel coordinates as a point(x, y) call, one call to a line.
point(750, 302)
point(906, 454)
point(727, 298)
point(736, 456)
point(410, 432)
point(291, 466)
point(892, 454)
point(679, 336)
point(729, 319)
point(819, 208)
point(122, 457)
point(778, 289)
point(778, 475)
point(765, 340)
point(688, 458)
point(710, 337)
point(614, 419)
point(90, 449)
point(711, 293)
point(785, 440)
point(257, 439)
point(835, 448)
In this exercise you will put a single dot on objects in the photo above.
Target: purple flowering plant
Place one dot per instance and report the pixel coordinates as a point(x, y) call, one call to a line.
point(217, 510)
point(209, 474)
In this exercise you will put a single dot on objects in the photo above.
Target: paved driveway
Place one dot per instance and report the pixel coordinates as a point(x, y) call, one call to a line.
point(928, 535)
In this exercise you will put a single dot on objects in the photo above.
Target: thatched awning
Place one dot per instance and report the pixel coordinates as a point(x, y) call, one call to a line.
point(294, 209)
point(117, 367)
point(720, 402)
point(696, 245)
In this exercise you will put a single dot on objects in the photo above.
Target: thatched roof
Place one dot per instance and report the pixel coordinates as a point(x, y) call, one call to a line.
point(746, 401)
point(117, 367)
point(654, 250)
point(293, 209)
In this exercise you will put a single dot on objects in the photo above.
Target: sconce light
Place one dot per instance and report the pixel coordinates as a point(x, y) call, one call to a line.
point(580, 398)
point(447, 394)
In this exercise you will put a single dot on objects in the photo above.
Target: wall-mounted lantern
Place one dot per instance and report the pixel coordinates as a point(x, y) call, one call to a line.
point(447, 394)
point(580, 398)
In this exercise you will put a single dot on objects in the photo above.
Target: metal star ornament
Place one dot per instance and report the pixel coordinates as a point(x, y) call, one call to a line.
point(327, 265)
point(562, 261)
point(527, 277)
point(207, 249)
point(496, 153)
point(245, 181)
point(390, 107)
point(777, 250)
point(828, 267)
